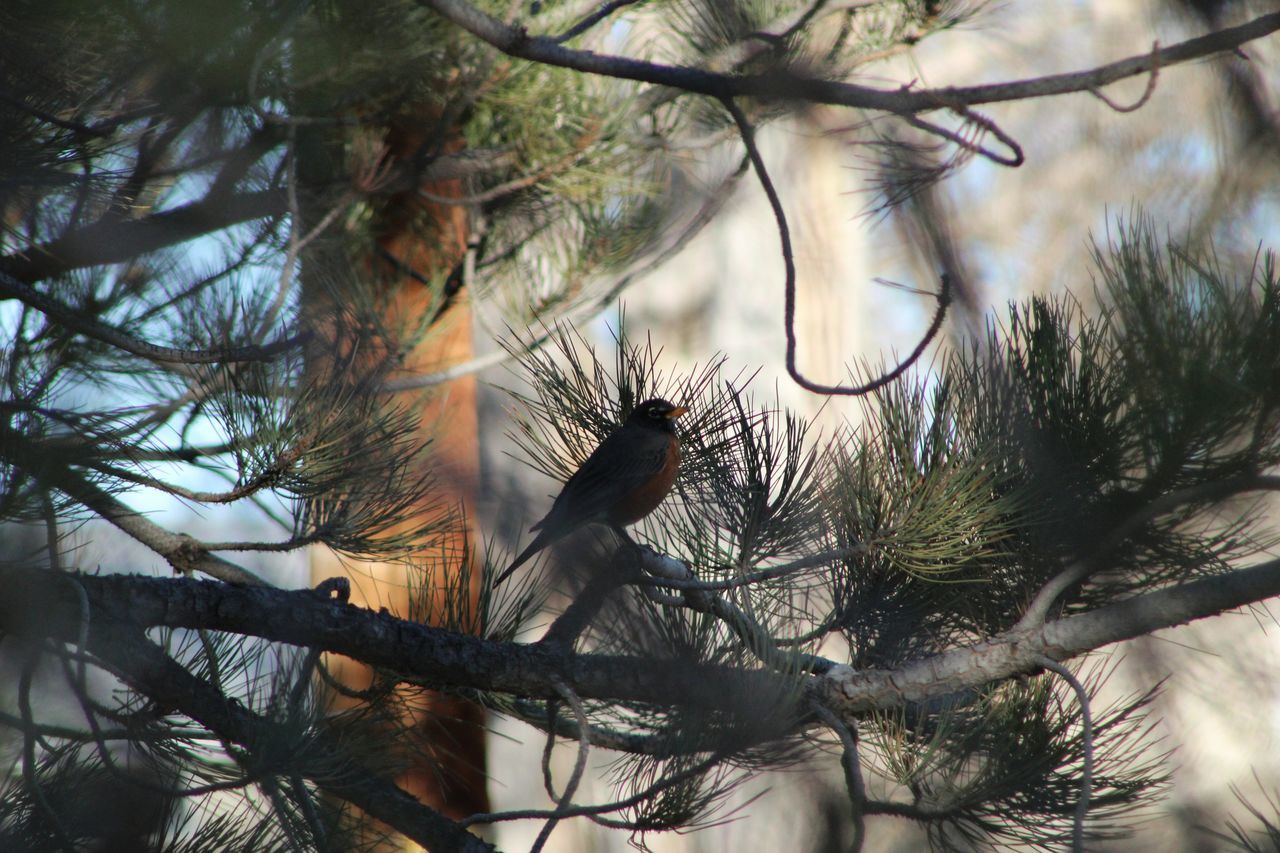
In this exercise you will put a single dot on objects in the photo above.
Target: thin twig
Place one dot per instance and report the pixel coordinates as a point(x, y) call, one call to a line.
point(1086, 724)
point(1146, 94)
point(184, 553)
point(588, 811)
point(579, 766)
point(1016, 159)
point(524, 181)
point(788, 260)
point(605, 10)
point(535, 715)
point(771, 573)
point(29, 775)
point(757, 639)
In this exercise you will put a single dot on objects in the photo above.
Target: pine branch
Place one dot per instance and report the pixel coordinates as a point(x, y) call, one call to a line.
point(185, 553)
point(113, 240)
point(305, 619)
point(157, 675)
point(1016, 652)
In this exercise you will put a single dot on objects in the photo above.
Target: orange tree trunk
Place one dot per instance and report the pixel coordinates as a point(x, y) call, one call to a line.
point(416, 242)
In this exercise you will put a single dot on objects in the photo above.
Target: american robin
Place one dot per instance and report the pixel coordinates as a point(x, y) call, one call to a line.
point(622, 481)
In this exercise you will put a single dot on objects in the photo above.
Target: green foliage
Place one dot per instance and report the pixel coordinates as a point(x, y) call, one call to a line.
point(1064, 439)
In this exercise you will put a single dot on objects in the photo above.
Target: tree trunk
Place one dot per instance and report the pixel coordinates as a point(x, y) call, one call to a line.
point(417, 243)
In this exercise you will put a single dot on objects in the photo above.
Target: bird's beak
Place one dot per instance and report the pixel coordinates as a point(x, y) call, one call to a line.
point(677, 412)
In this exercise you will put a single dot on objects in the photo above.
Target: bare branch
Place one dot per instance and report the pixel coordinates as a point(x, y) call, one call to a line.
point(812, 561)
point(185, 553)
point(29, 738)
point(1146, 94)
point(605, 10)
point(579, 765)
point(1013, 160)
point(789, 284)
point(639, 744)
point(595, 811)
point(756, 638)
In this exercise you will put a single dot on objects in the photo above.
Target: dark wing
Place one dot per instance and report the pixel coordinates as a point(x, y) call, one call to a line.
point(623, 462)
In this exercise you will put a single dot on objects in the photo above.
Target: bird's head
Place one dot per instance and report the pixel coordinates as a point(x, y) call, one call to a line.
point(657, 413)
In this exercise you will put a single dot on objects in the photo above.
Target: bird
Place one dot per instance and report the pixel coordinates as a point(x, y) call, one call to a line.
point(623, 480)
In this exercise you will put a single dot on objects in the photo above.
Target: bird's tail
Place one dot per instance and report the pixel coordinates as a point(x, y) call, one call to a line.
point(539, 542)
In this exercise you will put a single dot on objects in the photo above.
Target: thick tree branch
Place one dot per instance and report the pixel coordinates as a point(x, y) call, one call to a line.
point(514, 40)
point(35, 603)
point(306, 619)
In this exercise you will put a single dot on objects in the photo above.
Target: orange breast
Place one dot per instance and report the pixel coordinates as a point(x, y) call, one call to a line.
point(645, 499)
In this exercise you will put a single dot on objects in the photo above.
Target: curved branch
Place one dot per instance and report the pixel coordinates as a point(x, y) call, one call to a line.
point(1086, 722)
point(579, 765)
point(1152, 77)
point(789, 266)
point(1013, 160)
point(595, 812)
point(852, 772)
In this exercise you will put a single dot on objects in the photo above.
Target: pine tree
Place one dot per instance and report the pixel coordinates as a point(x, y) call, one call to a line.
point(230, 232)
